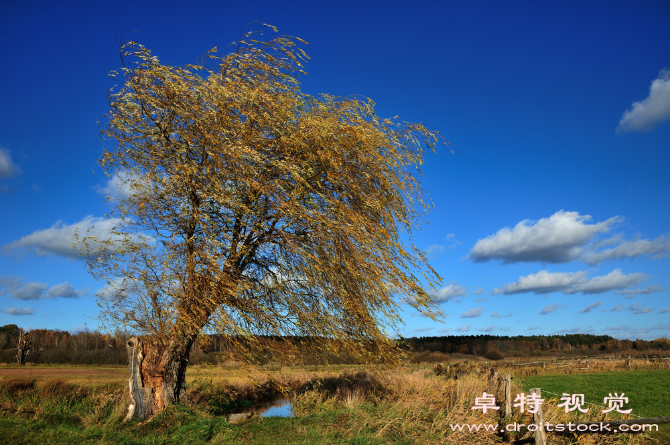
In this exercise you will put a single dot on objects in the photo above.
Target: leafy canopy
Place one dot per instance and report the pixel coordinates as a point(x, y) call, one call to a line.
point(255, 209)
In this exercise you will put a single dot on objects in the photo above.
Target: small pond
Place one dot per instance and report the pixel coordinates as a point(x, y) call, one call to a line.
point(279, 407)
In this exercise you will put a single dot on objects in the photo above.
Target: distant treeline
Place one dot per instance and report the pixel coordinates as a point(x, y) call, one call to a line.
point(61, 347)
point(497, 347)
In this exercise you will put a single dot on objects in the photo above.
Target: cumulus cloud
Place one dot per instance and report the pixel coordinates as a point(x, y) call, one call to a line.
point(618, 308)
point(463, 328)
point(58, 239)
point(552, 308)
point(664, 311)
point(591, 307)
point(20, 311)
point(637, 308)
point(8, 168)
point(444, 330)
point(423, 329)
point(487, 329)
point(64, 290)
point(449, 292)
point(564, 237)
point(632, 293)
point(16, 288)
point(545, 282)
point(557, 239)
point(30, 291)
point(473, 313)
point(658, 248)
point(123, 184)
point(117, 287)
point(643, 116)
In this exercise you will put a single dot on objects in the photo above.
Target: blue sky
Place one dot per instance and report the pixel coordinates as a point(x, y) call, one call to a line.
point(551, 216)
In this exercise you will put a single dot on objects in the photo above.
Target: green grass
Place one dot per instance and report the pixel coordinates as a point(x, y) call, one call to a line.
point(399, 407)
point(180, 425)
point(648, 391)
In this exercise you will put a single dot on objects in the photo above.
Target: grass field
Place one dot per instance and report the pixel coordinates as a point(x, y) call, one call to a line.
point(332, 405)
point(648, 391)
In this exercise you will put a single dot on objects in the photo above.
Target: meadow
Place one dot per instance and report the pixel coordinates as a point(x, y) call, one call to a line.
point(331, 405)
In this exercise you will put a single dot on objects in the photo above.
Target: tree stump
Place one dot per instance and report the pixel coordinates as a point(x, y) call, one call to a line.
point(23, 347)
point(152, 385)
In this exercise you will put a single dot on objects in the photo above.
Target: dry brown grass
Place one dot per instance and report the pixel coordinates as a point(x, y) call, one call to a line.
point(416, 405)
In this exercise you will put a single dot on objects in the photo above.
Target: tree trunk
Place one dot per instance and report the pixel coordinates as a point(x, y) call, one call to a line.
point(157, 375)
point(23, 347)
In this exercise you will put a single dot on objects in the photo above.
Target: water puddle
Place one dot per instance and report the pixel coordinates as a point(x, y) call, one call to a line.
point(278, 407)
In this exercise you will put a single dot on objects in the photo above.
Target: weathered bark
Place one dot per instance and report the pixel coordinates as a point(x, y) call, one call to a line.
point(23, 347)
point(157, 375)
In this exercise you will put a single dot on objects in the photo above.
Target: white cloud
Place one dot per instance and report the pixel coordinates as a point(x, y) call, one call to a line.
point(664, 311)
point(545, 282)
point(632, 293)
point(16, 288)
point(58, 239)
point(478, 291)
point(449, 292)
point(638, 309)
point(615, 280)
point(591, 307)
point(552, 308)
point(473, 313)
point(443, 330)
point(659, 248)
point(121, 185)
point(64, 290)
point(117, 287)
point(30, 291)
point(20, 311)
point(643, 116)
point(557, 239)
point(487, 329)
point(117, 187)
point(423, 329)
point(463, 328)
point(7, 167)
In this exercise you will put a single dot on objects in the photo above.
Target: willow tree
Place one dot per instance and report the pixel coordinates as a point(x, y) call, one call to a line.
point(254, 209)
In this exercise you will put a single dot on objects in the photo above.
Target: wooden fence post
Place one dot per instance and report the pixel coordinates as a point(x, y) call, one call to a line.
point(508, 395)
point(629, 362)
point(538, 420)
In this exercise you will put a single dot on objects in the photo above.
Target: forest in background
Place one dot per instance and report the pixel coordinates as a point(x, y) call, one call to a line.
point(95, 348)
